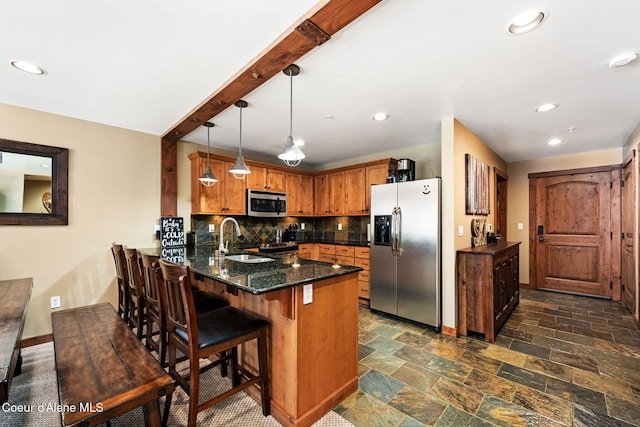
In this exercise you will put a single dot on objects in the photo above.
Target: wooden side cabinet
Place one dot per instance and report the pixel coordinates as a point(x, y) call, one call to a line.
point(488, 287)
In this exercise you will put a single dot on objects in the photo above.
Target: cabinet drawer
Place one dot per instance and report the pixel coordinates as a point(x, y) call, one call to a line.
point(361, 252)
point(305, 249)
point(363, 262)
point(364, 290)
point(326, 258)
point(364, 276)
point(344, 260)
point(324, 249)
point(345, 250)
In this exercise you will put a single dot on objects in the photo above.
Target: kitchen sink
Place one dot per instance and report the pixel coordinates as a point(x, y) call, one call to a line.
point(250, 259)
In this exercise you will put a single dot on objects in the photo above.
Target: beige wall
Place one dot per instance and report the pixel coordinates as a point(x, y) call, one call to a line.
point(457, 141)
point(427, 158)
point(114, 195)
point(518, 191)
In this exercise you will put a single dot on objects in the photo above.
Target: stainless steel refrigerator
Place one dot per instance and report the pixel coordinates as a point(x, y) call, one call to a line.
point(405, 250)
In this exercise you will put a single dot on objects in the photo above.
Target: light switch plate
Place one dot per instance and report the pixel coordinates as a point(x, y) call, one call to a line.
point(520, 226)
point(460, 230)
point(55, 302)
point(307, 294)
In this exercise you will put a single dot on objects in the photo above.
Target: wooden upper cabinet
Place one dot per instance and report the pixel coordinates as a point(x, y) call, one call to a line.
point(227, 196)
point(321, 194)
point(262, 178)
point(358, 185)
point(299, 190)
point(336, 193)
point(376, 174)
point(355, 190)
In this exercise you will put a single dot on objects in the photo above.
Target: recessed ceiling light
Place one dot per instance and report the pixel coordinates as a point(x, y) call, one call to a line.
point(555, 141)
point(622, 60)
point(526, 21)
point(378, 117)
point(546, 107)
point(28, 67)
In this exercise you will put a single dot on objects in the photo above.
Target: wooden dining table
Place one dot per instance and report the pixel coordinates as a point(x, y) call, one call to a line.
point(103, 370)
point(14, 300)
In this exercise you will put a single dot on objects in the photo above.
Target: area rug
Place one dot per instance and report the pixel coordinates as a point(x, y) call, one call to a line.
point(34, 395)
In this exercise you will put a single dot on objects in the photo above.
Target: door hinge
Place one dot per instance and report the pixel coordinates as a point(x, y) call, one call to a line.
point(622, 183)
point(622, 286)
point(610, 285)
point(610, 184)
point(611, 235)
point(622, 236)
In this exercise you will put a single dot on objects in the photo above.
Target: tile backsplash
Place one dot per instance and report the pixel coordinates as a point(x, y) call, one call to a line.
point(258, 231)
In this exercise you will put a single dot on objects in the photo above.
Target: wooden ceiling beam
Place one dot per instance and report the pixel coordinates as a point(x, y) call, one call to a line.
point(314, 28)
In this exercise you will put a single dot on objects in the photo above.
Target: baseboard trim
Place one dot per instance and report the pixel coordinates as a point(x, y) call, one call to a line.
point(447, 330)
point(29, 342)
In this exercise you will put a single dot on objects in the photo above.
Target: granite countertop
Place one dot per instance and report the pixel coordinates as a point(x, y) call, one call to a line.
point(284, 271)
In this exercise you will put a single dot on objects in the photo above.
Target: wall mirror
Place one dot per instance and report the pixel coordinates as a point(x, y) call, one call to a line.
point(33, 184)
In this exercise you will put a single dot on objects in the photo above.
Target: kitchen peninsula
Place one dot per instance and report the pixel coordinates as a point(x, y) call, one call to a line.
point(313, 310)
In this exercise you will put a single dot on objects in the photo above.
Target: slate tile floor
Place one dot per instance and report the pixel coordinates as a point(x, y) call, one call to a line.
point(559, 360)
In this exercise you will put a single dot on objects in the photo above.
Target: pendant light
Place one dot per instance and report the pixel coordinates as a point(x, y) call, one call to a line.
point(240, 169)
point(291, 155)
point(207, 179)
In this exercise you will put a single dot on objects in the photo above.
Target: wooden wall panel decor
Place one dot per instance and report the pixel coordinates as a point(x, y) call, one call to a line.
point(477, 186)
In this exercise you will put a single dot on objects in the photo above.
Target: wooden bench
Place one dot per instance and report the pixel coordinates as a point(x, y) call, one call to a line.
point(14, 299)
point(103, 370)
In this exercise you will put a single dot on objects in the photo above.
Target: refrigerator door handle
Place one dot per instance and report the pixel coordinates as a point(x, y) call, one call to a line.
point(398, 218)
point(393, 232)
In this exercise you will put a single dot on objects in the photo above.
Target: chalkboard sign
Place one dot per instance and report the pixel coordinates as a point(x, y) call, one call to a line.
point(175, 254)
point(171, 232)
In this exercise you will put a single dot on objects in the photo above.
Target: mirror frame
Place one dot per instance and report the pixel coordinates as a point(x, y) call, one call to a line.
point(59, 184)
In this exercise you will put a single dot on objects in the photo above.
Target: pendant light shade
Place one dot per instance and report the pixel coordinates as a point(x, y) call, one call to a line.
point(240, 169)
point(208, 179)
point(291, 155)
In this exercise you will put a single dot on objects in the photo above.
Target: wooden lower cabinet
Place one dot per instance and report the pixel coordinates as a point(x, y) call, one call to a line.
point(346, 255)
point(488, 287)
point(362, 259)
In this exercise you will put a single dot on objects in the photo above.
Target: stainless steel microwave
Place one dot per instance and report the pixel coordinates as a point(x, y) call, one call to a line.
point(266, 203)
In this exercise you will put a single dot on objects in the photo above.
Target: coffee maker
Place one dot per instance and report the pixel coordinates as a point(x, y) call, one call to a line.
point(406, 170)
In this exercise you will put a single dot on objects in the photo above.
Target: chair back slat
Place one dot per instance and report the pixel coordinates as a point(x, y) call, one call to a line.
point(151, 289)
point(181, 312)
point(133, 270)
point(121, 264)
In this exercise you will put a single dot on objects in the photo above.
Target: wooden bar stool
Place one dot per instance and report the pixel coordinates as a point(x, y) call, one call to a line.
point(202, 335)
point(156, 303)
point(137, 312)
point(154, 308)
point(122, 277)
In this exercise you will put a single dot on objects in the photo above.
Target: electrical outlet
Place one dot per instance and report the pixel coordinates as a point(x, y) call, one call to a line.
point(212, 228)
point(339, 226)
point(55, 302)
point(302, 225)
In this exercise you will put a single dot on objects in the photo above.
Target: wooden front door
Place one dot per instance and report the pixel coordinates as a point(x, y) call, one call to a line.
point(628, 270)
point(572, 232)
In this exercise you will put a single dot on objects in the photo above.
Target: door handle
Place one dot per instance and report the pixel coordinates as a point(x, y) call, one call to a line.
point(541, 233)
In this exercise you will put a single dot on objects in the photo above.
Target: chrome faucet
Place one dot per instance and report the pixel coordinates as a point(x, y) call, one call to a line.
point(224, 248)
